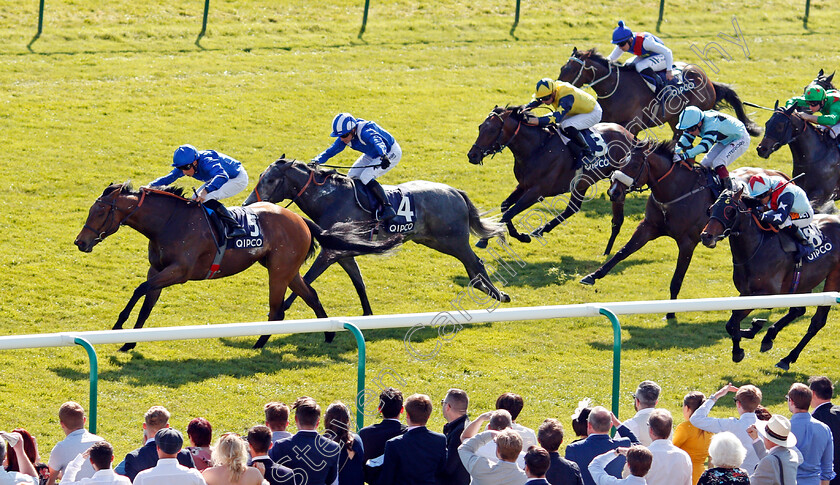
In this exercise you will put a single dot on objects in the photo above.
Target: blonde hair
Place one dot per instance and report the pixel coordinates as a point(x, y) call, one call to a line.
point(230, 452)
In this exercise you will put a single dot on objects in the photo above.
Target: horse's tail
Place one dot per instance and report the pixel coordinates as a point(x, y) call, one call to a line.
point(727, 95)
point(483, 228)
point(350, 237)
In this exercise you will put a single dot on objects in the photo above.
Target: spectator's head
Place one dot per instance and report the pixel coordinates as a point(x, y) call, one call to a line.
point(30, 447)
point(511, 403)
point(307, 413)
point(600, 421)
point(580, 417)
point(418, 409)
point(101, 455)
point(550, 435)
point(822, 390)
point(508, 445)
point(390, 403)
point(639, 459)
point(454, 404)
point(200, 432)
point(660, 423)
point(156, 418)
point(647, 395)
point(276, 416)
point(337, 423)
point(71, 416)
point(726, 450)
point(259, 439)
point(169, 442)
point(500, 420)
point(537, 461)
point(762, 414)
point(776, 432)
point(691, 402)
point(799, 398)
point(747, 398)
point(230, 452)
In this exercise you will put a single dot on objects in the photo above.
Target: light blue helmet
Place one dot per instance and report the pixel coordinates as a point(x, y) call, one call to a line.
point(759, 186)
point(691, 117)
point(621, 33)
point(342, 124)
point(184, 155)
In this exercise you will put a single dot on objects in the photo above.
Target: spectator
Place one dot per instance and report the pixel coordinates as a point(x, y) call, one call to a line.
point(560, 471)
point(71, 417)
point(30, 447)
point(307, 452)
point(513, 403)
point(375, 436)
point(777, 449)
point(455, 412)
point(145, 457)
point(762, 414)
point(259, 441)
point(200, 433)
point(671, 465)
point(639, 460)
point(645, 400)
point(277, 419)
point(230, 464)
point(486, 472)
point(351, 457)
point(812, 436)
point(822, 390)
point(598, 441)
point(580, 418)
point(692, 439)
point(497, 421)
point(167, 469)
point(747, 399)
point(537, 462)
point(27, 474)
point(419, 455)
point(101, 456)
point(726, 455)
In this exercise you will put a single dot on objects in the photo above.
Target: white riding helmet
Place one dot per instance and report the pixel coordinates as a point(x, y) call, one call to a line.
point(690, 117)
point(342, 124)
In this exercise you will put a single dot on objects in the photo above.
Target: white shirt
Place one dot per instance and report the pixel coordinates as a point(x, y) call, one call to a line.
point(67, 449)
point(527, 434)
point(671, 465)
point(102, 477)
point(737, 426)
point(13, 478)
point(601, 477)
point(169, 472)
point(638, 424)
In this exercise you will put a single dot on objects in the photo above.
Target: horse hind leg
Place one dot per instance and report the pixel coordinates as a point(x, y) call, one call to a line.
point(817, 323)
point(310, 296)
point(791, 315)
point(276, 311)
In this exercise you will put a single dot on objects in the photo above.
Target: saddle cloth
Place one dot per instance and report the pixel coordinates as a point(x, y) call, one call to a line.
point(247, 219)
point(401, 201)
point(822, 245)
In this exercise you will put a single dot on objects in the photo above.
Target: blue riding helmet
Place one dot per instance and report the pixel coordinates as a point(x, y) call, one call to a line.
point(184, 155)
point(621, 33)
point(690, 117)
point(342, 124)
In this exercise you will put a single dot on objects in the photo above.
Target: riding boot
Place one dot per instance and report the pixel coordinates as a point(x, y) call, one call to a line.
point(378, 192)
point(802, 242)
point(580, 149)
point(232, 227)
point(651, 76)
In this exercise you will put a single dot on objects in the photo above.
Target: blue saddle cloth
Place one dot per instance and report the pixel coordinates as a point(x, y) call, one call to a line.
point(247, 219)
point(402, 202)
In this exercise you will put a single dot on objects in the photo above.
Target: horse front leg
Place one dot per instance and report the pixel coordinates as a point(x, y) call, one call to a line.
point(149, 302)
point(791, 315)
point(686, 251)
point(155, 282)
point(310, 296)
point(644, 233)
point(617, 222)
point(514, 196)
point(817, 323)
point(528, 199)
point(733, 328)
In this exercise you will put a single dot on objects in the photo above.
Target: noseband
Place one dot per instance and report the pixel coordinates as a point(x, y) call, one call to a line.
point(498, 146)
point(787, 135)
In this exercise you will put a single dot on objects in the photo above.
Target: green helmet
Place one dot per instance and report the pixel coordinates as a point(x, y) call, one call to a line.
point(814, 92)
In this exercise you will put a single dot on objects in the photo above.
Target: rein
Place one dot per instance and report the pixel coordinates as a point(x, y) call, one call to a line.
point(309, 181)
point(596, 81)
point(494, 151)
point(100, 233)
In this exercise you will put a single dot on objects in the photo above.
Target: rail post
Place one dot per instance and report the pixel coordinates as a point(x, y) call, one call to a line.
point(364, 18)
point(40, 25)
point(203, 23)
point(662, 11)
point(807, 11)
point(360, 377)
point(516, 19)
point(94, 380)
point(616, 387)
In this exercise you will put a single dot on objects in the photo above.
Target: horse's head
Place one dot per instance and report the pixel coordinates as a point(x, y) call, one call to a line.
point(279, 180)
point(581, 67)
point(633, 171)
point(104, 217)
point(722, 217)
point(824, 81)
point(494, 134)
point(782, 128)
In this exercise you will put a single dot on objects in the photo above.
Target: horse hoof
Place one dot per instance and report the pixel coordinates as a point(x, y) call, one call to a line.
point(481, 244)
point(670, 316)
point(766, 345)
point(538, 232)
point(588, 279)
point(127, 347)
point(782, 364)
point(328, 337)
point(524, 238)
point(504, 297)
point(738, 355)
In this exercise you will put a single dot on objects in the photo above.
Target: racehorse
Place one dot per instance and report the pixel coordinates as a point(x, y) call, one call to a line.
point(544, 167)
point(182, 246)
point(443, 218)
point(627, 100)
point(762, 267)
point(815, 155)
point(680, 195)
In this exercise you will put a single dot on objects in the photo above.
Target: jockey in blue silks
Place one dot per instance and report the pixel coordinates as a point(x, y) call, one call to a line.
point(222, 175)
point(724, 138)
point(787, 207)
point(651, 53)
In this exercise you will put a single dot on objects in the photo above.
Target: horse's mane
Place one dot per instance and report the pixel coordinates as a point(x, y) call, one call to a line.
point(661, 148)
point(328, 173)
point(516, 111)
point(597, 57)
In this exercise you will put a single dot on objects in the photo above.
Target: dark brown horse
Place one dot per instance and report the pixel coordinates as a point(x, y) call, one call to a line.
point(182, 246)
point(626, 99)
point(680, 195)
point(762, 267)
point(824, 81)
point(544, 167)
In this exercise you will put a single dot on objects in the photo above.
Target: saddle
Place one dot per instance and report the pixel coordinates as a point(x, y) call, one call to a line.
point(662, 80)
point(402, 201)
point(253, 238)
point(596, 145)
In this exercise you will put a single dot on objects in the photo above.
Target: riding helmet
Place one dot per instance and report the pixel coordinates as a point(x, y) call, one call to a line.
point(814, 92)
point(692, 116)
point(621, 33)
point(545, 87)
point(184, 155)
point(342, 124)
point(758, 186)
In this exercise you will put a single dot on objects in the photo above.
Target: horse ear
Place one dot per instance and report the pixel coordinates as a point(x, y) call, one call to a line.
point(283, 156)
point(739, 193)
point(777, 105)
point(574, 50)
point(820, 74)
point(829, 78)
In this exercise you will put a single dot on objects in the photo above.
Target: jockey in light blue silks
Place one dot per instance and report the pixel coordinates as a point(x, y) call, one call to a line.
point(787, 207)
point(380, 153)
point(722, 136)
point(651, 53)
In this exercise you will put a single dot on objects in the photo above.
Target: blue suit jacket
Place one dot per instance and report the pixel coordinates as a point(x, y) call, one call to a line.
point(582, 452)
point(310, 453)
point(146, 457)
point(374, 438)
point(417, 457)
point(562, 471)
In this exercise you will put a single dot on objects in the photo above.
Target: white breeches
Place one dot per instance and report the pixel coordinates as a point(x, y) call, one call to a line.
point(230, 188)
point(583, 121)
point(726, 154)
point(655, 62)
point(362, 170)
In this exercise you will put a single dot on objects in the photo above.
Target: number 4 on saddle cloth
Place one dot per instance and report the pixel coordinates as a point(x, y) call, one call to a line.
point(403, 203)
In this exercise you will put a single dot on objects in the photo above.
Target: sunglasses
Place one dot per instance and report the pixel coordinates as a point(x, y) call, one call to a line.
point(184, 168)
point(814, 103)
point(545, 98)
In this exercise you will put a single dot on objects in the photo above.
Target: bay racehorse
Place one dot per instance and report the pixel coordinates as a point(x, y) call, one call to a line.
point(680, 195)
point(627, 100)
point(182, 246)
point(762, 267)
point(442, 219)
point(816, 156)
point(544, 167)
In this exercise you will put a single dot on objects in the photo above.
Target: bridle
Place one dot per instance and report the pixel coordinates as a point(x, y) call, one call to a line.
point(309, 181)
point(100, 233)
point(596, 81)
point(728, 227)
point(497, 146)
point(787, 135)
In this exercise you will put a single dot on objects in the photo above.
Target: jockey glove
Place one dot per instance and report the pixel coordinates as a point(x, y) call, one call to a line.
point(385, 163)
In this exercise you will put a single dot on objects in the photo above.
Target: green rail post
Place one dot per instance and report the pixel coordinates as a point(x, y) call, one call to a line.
point(364, 18)
point(661, 11)
point(203, 23)
point(807, 10)
point(516, 19)
point(40, 26)
point(616, 358)
point(94, 380)
point(360, 378)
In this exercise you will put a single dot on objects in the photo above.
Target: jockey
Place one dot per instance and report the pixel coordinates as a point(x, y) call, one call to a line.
point(380, 153)
point(574, 110)
point(722, 136)
point(827, 103)
point(788, 207)
point(651, 53)
point(222, 175)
